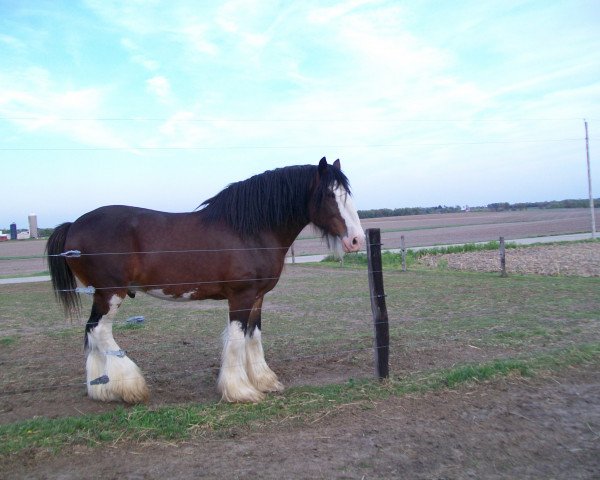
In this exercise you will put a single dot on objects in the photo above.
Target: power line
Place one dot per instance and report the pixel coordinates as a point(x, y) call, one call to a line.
point(286, 120)
point(282, 147)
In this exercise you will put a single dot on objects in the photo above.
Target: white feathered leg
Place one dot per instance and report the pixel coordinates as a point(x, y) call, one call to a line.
point(234, 384)
point(111, 375)
point(259, 373)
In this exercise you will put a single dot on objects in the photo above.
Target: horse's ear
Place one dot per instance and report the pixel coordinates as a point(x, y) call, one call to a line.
point(322, 166)
point(337, 164)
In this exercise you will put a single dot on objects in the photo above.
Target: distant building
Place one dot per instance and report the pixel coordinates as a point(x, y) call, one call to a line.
point(33, 226)
point(3, 236)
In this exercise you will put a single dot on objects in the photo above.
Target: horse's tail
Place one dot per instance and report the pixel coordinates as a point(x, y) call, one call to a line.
point(63, 280)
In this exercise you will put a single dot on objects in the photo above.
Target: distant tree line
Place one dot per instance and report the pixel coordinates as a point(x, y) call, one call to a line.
point(42, 232)
point(492, 207)
point(401, 212)
point(569, 203)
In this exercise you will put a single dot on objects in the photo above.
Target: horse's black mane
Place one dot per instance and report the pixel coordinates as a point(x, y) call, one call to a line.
point(271, 199)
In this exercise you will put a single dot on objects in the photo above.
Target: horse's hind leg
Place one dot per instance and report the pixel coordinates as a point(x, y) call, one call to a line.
point(259, 373)
point(111, 375)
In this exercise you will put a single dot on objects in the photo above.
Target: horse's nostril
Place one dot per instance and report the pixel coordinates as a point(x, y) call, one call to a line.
point(354, 241)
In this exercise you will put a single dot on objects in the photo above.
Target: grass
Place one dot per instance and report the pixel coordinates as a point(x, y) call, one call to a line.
point(180, 422)
point(394, 260)
point(7, 341)
point(21, 257)
point(26, 275)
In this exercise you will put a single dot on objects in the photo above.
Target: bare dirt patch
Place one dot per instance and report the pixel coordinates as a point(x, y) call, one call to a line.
point(511, 428)
point(578, 259)
point(9, 265)
point(470, 227)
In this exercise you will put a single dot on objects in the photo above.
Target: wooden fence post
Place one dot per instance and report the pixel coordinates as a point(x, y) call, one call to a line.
point(293, 254)
point(378, 306)
point(502, 258)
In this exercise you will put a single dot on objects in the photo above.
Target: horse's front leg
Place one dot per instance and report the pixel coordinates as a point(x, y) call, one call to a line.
point(259, 373)
point(234, 383)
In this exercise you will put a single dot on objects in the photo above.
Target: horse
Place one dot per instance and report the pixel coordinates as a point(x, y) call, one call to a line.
point(232, 247)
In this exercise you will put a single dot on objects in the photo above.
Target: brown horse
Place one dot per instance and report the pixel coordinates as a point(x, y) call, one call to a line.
point(232, 248)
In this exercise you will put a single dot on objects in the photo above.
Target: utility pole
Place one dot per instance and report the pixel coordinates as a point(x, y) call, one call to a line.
point(587, 153)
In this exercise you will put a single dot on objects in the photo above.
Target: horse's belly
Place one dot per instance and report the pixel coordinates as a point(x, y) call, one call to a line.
point(183, 297)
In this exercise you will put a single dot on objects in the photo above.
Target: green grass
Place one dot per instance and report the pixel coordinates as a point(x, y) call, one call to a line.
point(180, 422)
point(21, 257)
point(8, 341)
point(25, 275)
point(394, 260)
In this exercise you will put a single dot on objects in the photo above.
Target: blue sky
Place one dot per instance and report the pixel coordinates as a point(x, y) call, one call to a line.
point(162, 104)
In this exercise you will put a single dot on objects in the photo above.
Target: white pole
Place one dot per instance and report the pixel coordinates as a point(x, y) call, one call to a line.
point(587, 153)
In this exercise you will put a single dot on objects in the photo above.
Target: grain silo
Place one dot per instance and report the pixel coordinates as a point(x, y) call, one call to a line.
point(33, 228)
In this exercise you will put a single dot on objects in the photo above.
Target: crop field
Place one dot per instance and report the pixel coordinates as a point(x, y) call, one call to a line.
point(466, 227)
point(490, 378)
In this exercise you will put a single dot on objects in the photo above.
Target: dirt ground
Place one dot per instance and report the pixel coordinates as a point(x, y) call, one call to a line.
point(546, 427)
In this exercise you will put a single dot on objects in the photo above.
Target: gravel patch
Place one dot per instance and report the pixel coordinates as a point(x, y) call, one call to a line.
point(579, 259)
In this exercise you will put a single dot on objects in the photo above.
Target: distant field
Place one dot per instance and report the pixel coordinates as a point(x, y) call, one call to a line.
point(449, 228)
point(418, 230)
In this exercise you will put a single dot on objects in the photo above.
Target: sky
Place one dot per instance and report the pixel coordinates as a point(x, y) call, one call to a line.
point(163, 104)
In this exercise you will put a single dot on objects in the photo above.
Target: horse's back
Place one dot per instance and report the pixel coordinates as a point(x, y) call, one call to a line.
point(117, 226)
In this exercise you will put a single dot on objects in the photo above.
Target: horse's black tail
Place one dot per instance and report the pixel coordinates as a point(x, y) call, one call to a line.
point(63, 280)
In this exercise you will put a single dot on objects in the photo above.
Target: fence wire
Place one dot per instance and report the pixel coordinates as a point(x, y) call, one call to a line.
point(275, 340)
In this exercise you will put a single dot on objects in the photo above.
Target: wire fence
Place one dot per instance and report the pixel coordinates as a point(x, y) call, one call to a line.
point(347, 340)
point(277, 340)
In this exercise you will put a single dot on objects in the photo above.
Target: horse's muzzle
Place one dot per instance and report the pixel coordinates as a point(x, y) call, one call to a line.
point(353, 243)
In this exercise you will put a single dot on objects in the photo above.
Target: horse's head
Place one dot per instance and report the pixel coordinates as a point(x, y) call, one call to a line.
point(333, 212)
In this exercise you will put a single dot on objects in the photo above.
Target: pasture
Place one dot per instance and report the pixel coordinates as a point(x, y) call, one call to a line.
point(490, 377)
point(466, 348)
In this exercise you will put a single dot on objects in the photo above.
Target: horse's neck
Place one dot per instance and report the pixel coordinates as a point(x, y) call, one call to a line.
point(286, 234)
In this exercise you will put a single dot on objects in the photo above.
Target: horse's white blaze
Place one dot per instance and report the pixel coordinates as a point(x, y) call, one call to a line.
point(259, 373)
point(125, 381)
point(233, 382)
point(355, 235)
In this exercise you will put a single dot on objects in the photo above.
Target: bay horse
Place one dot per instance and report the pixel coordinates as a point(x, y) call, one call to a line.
point(232, 247)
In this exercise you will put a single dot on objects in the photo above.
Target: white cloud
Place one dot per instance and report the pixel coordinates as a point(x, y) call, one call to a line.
point(12, 42)
point(322, 15)
point(159, 86)
point(137, 56)
point(40, 105)
point(195, 36)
